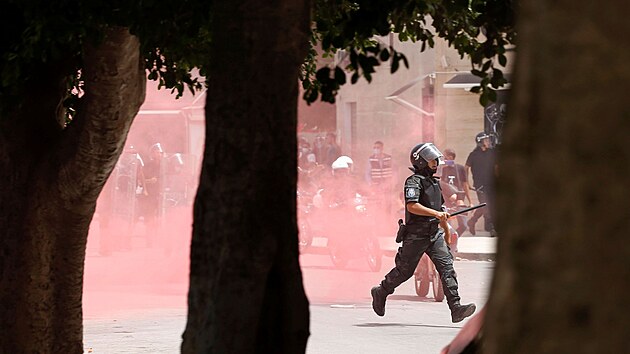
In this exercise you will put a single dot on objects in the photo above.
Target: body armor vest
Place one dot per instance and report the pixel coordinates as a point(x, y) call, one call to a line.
point(431, 198)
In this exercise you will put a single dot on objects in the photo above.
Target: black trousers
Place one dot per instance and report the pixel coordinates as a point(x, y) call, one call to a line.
point(408, 257)
point(485, 196)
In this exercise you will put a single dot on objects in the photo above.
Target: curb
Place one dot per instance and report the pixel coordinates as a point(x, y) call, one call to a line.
point(491, 257)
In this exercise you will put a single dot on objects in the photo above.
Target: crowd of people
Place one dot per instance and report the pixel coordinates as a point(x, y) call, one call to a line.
point(317, 171)
point(142, 186)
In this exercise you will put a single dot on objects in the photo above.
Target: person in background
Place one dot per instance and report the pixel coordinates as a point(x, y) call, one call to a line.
point(379, 171)
point(379, 175)
point(304, 150)
point(150, 198)
point(331, 149)
point(342, 187)
point(453, 177)
point(319, 147)
point(482, 163)
point(309, 171)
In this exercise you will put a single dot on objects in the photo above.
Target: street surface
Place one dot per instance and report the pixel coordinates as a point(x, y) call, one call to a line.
point(411, 324)
point(146, 313)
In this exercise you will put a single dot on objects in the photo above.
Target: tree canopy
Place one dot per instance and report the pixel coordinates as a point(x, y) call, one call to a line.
point(176, 38)
point(480, 29)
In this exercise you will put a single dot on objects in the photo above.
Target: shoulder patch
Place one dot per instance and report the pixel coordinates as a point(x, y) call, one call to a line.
point(410, 192)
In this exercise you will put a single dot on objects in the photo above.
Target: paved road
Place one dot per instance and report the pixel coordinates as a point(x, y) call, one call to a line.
point(411, 324)
point(149, 318)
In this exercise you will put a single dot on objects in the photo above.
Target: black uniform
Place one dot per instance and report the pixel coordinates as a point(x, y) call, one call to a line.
point(423, 236)
point(482, 164)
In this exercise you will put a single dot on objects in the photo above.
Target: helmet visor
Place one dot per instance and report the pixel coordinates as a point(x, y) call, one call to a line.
point(429, 152)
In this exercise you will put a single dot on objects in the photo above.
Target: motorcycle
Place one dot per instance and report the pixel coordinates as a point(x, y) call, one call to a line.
point(350, 232)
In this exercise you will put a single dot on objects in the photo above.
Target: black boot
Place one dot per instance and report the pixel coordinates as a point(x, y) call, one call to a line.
point(379, 295)
point(459, 312)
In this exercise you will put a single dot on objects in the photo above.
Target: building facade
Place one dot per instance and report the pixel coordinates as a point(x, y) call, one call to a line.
point(428, 102)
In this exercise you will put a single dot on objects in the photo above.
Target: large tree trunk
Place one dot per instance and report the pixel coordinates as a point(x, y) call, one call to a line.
point(563, 270)
point(246, 293)
point(51, 178)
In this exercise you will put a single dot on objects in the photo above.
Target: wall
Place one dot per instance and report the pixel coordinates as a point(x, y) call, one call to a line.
point(364, 114)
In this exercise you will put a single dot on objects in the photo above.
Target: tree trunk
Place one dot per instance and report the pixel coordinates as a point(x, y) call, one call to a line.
point(563, 268)
point(51, 177)
point(246, 293)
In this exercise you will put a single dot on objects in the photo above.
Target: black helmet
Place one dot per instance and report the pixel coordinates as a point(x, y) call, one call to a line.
point(421, 154)
point(479, 138)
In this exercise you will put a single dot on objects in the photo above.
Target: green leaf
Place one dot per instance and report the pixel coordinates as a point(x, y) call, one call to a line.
point(373, 50)
point(492, 95)
point(404, 59)
point(323, 74)
point(354, 78)
point(486, 65)
point(353, 58)
point(483, 99)
point(502, 60)
point(384, 55)
point(395, 64)
point(340, 76)
point(338, 42)
point(312, 96)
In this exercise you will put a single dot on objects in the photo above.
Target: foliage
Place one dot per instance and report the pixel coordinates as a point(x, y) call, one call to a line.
point(481, 29)
point(174, 36)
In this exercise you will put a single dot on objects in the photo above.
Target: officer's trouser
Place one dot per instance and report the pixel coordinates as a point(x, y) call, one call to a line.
point(485, 196)
point(407, 259)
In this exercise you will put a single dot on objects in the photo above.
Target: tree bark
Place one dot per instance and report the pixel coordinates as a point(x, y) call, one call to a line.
point(246, 293)
point(563, 268)
point(52, 176)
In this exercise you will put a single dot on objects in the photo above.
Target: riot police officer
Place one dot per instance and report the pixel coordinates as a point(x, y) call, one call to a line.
point(423, 201)
point(151, 197)
point(482, 163)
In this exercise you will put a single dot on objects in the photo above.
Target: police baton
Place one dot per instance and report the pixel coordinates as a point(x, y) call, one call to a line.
point(465, 210)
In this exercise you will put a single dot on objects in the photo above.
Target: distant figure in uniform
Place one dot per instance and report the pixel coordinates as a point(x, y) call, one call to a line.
point(341, 189)
point(380, 175)
point(304, 151)
point(150, 199)
point(331, 149)
point(309, 171)
point(482, 163)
